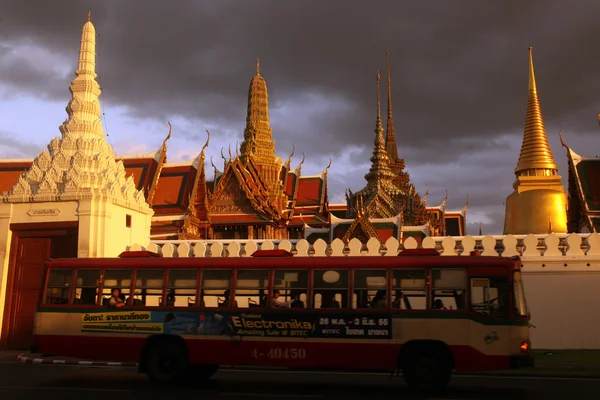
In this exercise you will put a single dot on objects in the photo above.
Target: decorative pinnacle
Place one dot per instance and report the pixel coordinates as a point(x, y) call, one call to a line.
point(390, 137)
point(535, 150)
point(532, 85)
point(378, 128)
point(258, 66)
point(389, 79)
point(89, 16)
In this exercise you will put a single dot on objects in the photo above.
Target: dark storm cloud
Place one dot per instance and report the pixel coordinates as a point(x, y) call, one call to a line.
point(459, 76)
point(459, 68)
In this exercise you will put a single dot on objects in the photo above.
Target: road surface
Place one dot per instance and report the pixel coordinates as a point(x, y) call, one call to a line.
point(31, 381)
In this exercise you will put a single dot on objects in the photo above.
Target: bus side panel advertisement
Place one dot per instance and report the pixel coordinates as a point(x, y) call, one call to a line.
point(261, 324)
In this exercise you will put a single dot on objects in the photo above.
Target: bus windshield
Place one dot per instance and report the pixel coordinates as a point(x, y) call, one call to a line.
point(519, 293)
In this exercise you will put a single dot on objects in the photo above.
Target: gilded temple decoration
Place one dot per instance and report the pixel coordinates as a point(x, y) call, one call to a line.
point(538, 192)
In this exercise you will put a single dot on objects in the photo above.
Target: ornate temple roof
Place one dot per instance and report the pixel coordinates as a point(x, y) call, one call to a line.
point(535, 150)
point(80, 164)
point(584, 191)
point(380, 194)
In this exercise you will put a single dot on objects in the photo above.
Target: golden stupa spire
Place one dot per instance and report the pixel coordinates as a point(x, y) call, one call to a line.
point(390, 137)
point(89, 16)
point(536, 157)
point(258, 66)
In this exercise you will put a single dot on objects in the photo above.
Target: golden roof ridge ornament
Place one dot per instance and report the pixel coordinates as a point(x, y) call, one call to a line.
point(535, 150)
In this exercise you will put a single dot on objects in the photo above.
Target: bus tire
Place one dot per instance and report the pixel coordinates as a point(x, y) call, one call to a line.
point(202, 372)
point(428, 371)
point(167, 362)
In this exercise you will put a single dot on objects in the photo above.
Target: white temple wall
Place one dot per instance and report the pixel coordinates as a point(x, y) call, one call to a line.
point(103, 230)
point(5, 240)
point(561, 272)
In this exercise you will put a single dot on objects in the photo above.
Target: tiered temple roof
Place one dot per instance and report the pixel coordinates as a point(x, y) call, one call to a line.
point(583, 211)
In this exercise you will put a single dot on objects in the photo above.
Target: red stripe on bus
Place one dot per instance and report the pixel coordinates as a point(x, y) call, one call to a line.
point(298, 354)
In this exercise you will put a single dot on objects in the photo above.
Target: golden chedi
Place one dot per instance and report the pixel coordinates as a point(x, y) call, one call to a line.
point(538, 204)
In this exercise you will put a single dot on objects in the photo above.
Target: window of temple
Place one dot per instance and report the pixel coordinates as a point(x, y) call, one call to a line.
point(252, 288)
point(370, 289)
point(330, 288)
point(448, 289)
point(409, 287)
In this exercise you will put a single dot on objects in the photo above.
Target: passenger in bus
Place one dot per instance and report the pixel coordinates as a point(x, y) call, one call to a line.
point(279, 304)
point(201, 304)
point(380, 300)
point(296, 302)
point(171, 298)
point(225, 302)
point(264, 298)
point(397, 303)
point(329, 301)
point(438, 305)
point(116, 301)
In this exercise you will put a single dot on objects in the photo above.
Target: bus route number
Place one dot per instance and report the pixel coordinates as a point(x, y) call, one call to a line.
point(279, 353)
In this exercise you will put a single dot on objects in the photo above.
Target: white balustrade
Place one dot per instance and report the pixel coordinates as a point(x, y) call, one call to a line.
point(545, 249)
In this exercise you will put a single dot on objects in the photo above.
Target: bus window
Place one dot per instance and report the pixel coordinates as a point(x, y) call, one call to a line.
point(183, 283)
point(490, 295)
point(116, 279)
point(448, 289)
point(370, 288)
point(330, 288)
point(252, 287)
point(148, 289)
point(59, 286)
point(216, 285)
point(409, 289)
point(86, 286)
point(292, 286)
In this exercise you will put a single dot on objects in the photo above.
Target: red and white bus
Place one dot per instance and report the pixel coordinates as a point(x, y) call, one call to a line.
point(419, 313)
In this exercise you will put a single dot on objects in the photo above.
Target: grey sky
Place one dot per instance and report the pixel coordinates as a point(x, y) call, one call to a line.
point(459, 76)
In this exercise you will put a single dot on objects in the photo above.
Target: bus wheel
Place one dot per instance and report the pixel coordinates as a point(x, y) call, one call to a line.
point(428, 372)
point(167, 362)
point(202, 372)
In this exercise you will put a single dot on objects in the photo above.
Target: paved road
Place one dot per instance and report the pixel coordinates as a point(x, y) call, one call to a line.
point(30, 381)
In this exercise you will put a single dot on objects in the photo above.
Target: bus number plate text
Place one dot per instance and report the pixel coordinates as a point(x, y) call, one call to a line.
point(280, 353)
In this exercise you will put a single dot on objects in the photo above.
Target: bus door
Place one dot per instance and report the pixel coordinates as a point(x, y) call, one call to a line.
point(490, 306)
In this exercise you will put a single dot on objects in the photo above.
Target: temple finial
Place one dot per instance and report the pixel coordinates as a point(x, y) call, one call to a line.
point(258, 66)
point(379, 128)
point(89, 15)
point(532, 85)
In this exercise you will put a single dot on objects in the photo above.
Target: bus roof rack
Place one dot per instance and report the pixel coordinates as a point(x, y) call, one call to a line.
point(139, 254)
point(419, 252)
point(272, 253)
